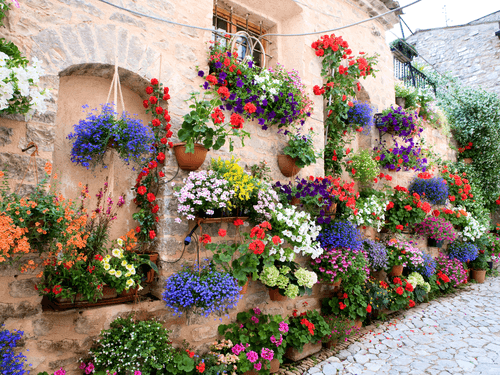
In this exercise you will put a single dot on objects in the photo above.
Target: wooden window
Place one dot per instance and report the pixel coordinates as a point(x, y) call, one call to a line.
point(225, 21)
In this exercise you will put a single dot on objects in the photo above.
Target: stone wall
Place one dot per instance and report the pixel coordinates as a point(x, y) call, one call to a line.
point(78, 42)
point(469, 52)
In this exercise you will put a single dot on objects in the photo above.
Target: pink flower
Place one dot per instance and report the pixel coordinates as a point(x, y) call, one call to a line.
point(237, 349)
point(267, 354)
point(60, 372)
point(283, 327)
point(254, 319)
point(137, 372)
point(90, 368)
point(82, 366)
point(257, 366)
point(256, 311)
point(252, 356)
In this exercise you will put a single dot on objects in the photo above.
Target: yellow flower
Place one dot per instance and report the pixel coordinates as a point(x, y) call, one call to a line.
point(128, 274)
point(120, 242)
point(129, 283)
point(117, 253)
point(112, 272)
point(118, 273)
point(124, 263)
point(107, 266)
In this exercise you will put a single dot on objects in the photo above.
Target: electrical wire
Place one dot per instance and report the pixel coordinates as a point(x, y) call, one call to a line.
point(264, 35)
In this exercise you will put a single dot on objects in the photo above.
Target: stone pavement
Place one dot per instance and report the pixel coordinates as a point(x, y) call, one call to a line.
point(458, 334)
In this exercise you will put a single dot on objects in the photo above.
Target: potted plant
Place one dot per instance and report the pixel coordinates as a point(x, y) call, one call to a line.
point(452, 268)
point(193, 200)
point(306, 330)
point(317, 197)
point(479, 265)
point(247, 259)
point(463, 251)
point(201, 290)
point(421, 287)
point(398, 256)
point(370, 210)
point(401, 292)
point(299, 153)
point(99, 132)
point(340, 234)
point(406, 97)
point(404, 210)
point(362, 167)
point(264, 334)
point(398, 122)
point(400, 157)
point(427, 268)
point(273, 97)
point(360, 116)
point(437, 230)
point(402, 48)
point(152, 344)
point(197, 137)
point(287, 280)
point(431, 189)
point(377, 258)
point(331, 265)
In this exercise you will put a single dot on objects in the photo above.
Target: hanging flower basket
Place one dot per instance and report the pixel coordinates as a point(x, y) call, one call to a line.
point(287, 165)
point(190, 161)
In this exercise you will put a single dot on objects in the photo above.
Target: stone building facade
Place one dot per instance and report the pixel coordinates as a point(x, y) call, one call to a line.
point(470, 52)
point(78, 42)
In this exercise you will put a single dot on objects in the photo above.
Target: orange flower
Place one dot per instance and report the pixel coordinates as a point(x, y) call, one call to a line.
point(48, 168)
point(2, 174)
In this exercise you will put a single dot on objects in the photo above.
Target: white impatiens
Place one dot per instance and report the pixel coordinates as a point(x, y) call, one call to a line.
point(19, 91)
point(298, 229)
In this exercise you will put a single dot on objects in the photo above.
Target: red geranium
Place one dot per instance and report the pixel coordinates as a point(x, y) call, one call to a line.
point(236, 121)
point(205, 239)
point(400, 290)
point(222, 232)
point(57, 289)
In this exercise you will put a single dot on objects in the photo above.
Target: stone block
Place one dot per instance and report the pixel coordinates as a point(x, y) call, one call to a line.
point(5, 136)
point(203, 333)
point(123, 18)
point(42, 326)
point(23, 288)
point(42, 135)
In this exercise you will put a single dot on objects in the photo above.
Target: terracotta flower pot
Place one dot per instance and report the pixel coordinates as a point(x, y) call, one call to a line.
point(479, 275)
point(330, 344)
point(379, 275)
point(188, 161)
point(397, 270)
point(467, 160)
point(287, 165)
point(245, 287)
point(307, 350)
point(332, 209)
point(275, 295)
point(150, 276)
point(108, 292)
point(295, 201)
point(358, 323)
point(130, 292)
point(338, 282)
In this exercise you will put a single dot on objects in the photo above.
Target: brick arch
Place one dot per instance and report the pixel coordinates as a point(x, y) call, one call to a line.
point(129, 79)
point(67, 46)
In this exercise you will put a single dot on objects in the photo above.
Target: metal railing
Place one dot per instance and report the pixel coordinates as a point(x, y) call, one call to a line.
point(411, 76)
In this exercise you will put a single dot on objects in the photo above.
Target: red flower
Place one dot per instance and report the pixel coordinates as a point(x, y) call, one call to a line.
point(399, 227)
point(345, 296)
point(138, 229)
point(344, 98)
point(190, 354)
point(400, 290)
point(318, 90)
point(369, 308)
point(236, 121)
point(257, 247)
point(212, 79)
point(154, 81)
point(409, 287)
point(149, 90)
point(155, 209)
point(389, 206)
point(156, 122)
point(165, 90)
point(57, 289)
point(170, 144)
point(163, 141)
point(320, 52)
point(152, 164)
point(412, 303)
point(166, 97)
point(167, 117)
point(152, 234)
point(161, 157)
point(145, 103)
point(250, 108)
point(452, 198)
point(151, 197)
point(218, 116)
point(342, 306)
point(205, 239)
point(142, 190)
point(159, 110)
point(276, 240)
point(153, 99)
point(408, 208)
point(222, 232)
point(436, 213)
point(238, 222)
point(98, 257)
point(223, 92)
point(200, 367)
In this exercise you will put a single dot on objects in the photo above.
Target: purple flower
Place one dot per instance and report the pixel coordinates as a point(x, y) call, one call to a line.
point(201, 73)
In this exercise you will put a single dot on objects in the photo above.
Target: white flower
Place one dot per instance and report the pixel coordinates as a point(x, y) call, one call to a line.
point(118, 273)
point(120, 242)
point(117, 253)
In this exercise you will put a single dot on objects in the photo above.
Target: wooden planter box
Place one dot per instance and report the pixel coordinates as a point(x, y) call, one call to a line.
point(308, 349)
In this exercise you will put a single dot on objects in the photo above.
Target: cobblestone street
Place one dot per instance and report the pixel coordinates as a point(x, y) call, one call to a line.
point(459, 334)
